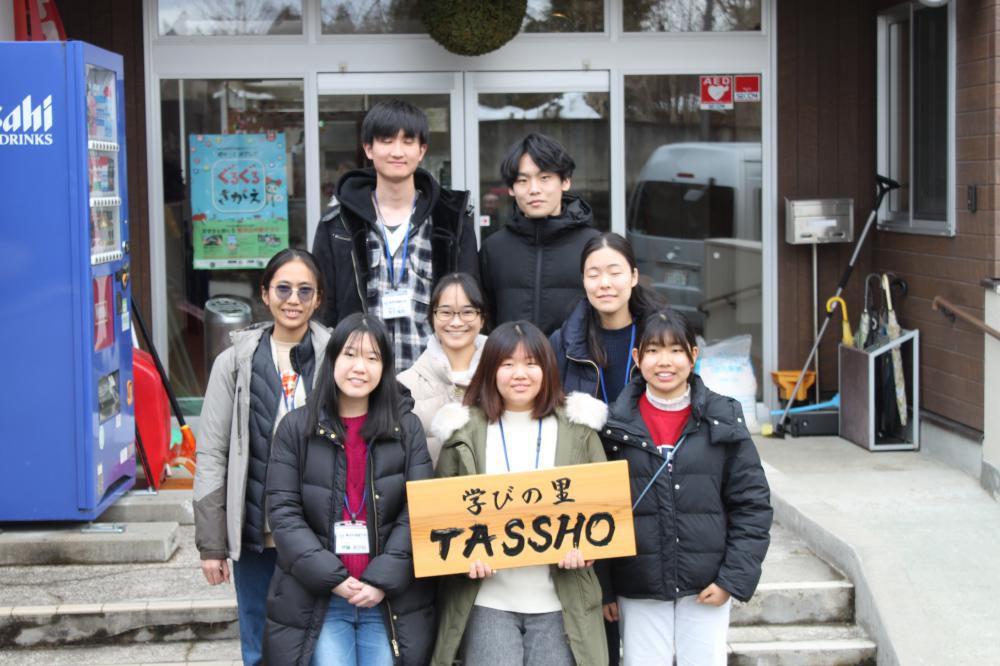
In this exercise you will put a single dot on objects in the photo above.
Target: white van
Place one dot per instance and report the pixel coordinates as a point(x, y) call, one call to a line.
point(695, 205)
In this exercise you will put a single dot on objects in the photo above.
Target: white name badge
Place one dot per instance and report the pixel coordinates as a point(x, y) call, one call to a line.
point(351, 538)
point(397, 303)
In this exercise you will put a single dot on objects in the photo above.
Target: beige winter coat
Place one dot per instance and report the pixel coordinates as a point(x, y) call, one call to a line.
point(430, 382)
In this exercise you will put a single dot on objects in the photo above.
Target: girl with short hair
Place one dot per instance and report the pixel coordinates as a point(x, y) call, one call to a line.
point(516, 418)
point(701, 505)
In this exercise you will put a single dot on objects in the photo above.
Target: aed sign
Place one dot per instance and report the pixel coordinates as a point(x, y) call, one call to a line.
point(747, 88)
point(716, 92)
point(520, 519)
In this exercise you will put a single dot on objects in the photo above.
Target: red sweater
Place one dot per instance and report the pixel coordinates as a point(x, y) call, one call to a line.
point(664, 426)
point(356, 451)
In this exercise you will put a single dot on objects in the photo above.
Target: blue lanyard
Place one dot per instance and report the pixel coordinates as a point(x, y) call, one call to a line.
point(538, 444)
point(628, 366)
point(385, 243)
point(354, 514)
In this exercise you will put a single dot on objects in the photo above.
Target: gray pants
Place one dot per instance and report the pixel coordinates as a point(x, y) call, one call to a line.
point(501, 638)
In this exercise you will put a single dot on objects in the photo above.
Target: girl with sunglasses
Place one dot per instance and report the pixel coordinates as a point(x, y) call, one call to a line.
point(442, 372)
point(701, 505)
point(268, 371)
point(515, 418)
point(344, 592)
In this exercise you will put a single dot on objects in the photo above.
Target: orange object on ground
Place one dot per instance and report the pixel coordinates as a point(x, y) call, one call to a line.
point(152, 415)
point(785, 381)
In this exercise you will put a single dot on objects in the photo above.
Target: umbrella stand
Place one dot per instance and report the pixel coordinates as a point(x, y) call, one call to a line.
point(883, 186)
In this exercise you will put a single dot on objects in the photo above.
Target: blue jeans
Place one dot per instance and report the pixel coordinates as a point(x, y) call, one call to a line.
point(251, 576)
point(352, 636)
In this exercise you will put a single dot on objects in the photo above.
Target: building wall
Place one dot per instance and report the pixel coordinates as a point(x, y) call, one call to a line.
point(952, 355)
point(826, 148)
point(116, 25)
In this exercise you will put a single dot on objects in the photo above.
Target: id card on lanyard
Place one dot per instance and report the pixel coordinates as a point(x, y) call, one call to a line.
point(397, 302)
point(351, 536)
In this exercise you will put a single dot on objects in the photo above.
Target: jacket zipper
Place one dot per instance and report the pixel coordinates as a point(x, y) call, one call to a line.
point(354, 265)
point(388, 607)
point(538, 274)
point(597, 370)
point(239, 419)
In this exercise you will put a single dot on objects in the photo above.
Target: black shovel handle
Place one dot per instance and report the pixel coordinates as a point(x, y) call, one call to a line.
point(159, 366)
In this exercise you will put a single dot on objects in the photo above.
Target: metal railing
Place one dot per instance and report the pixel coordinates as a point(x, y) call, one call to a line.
point(951, 311)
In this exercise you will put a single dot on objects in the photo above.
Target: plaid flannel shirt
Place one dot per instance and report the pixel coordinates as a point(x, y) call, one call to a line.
point(409, 334)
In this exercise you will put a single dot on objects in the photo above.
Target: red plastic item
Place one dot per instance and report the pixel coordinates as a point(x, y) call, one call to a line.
point(152, 415)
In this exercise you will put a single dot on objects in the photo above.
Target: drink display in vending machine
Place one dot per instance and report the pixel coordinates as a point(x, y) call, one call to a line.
point(65, 331)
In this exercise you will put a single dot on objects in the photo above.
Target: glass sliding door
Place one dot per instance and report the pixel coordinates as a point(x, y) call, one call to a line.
point(502, 107)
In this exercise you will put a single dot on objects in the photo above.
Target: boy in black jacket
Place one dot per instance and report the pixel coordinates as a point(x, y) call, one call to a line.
point(393, 232)
point(531, 267)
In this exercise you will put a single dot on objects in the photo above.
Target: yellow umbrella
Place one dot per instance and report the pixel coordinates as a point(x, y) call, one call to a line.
point(846, 337)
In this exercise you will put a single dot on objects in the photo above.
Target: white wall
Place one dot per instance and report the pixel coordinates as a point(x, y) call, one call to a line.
point(6, 21)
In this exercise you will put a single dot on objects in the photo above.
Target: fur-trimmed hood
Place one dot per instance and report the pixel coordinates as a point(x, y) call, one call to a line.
point(580, 408)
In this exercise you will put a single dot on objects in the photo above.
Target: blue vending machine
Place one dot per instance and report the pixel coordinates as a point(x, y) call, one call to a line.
point(68, 431)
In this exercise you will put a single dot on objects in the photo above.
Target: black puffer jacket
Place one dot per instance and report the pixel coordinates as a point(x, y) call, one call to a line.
point(706, 521)
point(265, 399)
point(305, 491)
point(531, 268)
point(341, 242)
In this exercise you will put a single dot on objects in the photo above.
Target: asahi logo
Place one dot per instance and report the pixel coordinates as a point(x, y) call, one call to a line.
point(27, 125)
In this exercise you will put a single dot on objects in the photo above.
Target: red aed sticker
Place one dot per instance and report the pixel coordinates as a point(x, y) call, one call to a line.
point(716, 92)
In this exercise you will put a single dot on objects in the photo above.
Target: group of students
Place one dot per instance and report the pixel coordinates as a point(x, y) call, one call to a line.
point(308, 436)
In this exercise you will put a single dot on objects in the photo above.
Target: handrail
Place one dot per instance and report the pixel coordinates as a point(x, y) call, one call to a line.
point(949, 310)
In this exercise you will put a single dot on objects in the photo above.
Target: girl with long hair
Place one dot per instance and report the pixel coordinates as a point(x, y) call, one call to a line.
point(593, 346)
point(516, 418)
point(343, 593)
point(701, 505)
point(269, 370)
point(442, 372)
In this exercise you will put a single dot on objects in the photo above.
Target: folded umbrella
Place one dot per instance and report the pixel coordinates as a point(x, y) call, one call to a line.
point(893, 330)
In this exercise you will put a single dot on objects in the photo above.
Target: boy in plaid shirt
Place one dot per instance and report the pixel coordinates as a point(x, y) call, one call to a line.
point(393, 232)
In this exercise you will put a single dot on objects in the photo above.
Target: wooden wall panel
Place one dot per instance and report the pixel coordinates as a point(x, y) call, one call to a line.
point(116, 25)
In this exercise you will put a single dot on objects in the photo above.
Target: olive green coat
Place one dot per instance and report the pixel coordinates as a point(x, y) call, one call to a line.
point(463, 431)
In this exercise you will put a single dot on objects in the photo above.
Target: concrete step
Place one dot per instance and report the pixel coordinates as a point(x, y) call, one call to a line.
point(800, 645)
point(88, 543)
point(801, 602)
point(816, 645)
point(202, 653)
point(143, 506)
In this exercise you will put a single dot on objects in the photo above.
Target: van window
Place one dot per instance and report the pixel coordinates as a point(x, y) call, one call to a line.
point(682, 210)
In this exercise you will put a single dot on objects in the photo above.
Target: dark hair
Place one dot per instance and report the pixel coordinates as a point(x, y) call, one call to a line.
point(288, 255)
point(667, 327)
point(501, 345)
point(466, 283)
point(641, 302)
point(547, 153)
point(387, 119)
point(383, 402)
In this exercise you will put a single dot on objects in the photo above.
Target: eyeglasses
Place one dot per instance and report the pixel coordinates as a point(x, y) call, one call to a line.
point(285, 291)
point(468, 315)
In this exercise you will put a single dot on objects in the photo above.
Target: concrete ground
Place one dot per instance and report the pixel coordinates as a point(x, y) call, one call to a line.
point(920, 541)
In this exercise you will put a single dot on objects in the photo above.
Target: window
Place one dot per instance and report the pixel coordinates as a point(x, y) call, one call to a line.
point(916, 113)
point(691, 15)
point(222, 17)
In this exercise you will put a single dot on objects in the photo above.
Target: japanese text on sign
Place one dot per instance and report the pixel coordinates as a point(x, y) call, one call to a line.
point(521, 519)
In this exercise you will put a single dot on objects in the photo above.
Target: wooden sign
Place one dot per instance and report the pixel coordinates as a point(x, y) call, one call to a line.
point(520, 519)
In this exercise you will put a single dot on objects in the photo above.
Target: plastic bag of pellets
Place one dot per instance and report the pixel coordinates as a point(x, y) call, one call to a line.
point(725, 368)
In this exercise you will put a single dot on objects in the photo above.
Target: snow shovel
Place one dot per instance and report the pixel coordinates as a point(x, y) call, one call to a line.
point(883, 186)
point(892, 328)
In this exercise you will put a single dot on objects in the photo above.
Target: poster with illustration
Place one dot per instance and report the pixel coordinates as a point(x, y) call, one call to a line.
point(239, 200)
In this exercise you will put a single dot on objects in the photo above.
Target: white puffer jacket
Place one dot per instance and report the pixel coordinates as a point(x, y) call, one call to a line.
point(430, 382)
